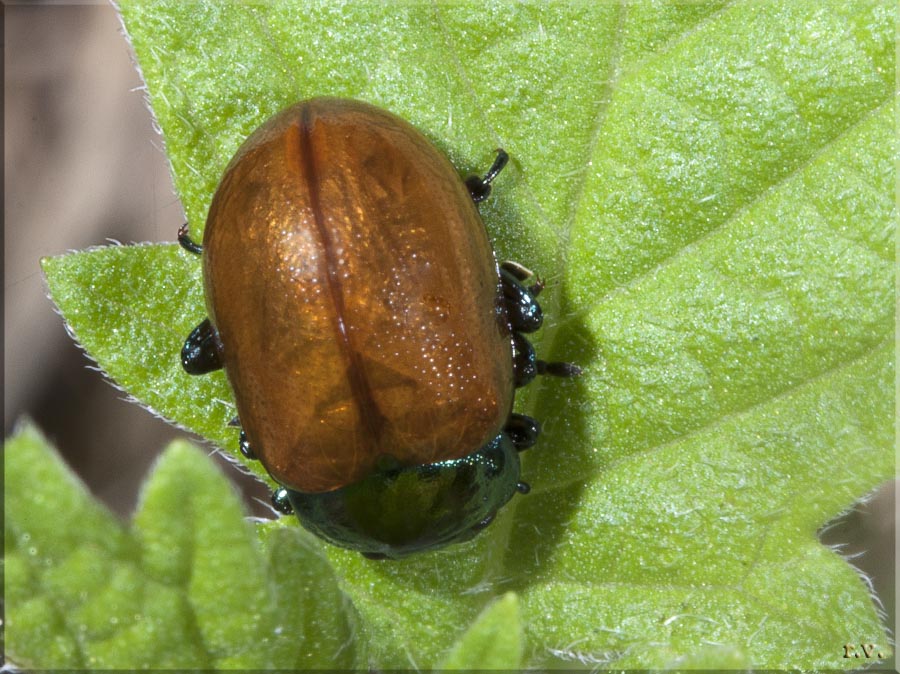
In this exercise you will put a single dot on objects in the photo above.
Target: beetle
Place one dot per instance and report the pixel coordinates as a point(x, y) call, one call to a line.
point(372, 342)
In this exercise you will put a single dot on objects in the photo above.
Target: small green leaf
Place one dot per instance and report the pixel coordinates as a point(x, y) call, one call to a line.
point(308, 601)
point(54, 533)
point(708, 189)
point(494, 640)
point(182, 527)
point(187, 586)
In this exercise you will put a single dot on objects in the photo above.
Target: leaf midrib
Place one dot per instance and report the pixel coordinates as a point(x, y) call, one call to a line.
point(783, 182)
point(551, 330)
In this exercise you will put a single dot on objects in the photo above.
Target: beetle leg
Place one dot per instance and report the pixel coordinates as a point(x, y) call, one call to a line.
point(525, 315)
point(558, 369)
point(522, 309)
point(202, 350)
point(280, 501)
point(522, 430)
point(374, 555)
point(526, 366)
point(244, 445)
point(243, 442)
point(187, 242)
point(480, 188)
point(524, 361)
point(484, 523)
point(523, 487)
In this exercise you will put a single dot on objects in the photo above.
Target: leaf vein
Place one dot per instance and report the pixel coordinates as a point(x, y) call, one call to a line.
point(712, 424)
point(690, 246)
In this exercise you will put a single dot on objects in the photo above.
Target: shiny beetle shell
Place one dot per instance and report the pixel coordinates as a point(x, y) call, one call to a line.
point(356, 298)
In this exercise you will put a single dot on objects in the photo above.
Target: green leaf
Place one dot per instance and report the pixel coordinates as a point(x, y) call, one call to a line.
point(187, 585)
point(494, 641)
point(708, 190)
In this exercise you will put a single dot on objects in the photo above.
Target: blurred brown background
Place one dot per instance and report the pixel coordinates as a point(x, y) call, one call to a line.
point(83, 165)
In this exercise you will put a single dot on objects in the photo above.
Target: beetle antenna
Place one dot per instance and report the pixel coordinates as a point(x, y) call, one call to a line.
point(499, 163)
point(480, 187)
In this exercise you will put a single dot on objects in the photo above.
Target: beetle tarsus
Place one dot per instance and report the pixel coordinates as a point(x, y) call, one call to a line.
point(186, 242)
point(557, 369)
point(523, 487)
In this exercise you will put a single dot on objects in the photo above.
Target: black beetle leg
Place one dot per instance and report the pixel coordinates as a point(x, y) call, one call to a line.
point(522, 310)
point(374, 555)
point(523, 487)
point(484, 523)
point(558, 369)
point(187, 242)
point(281, 502)
point(243, 442)
point(201, 352)
point(244, 445)
point(480, 188)
point(526, 366)
point(524, 361)
point(522, 430)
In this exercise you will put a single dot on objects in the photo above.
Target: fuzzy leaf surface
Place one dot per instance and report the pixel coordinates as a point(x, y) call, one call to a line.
point(186, 584)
